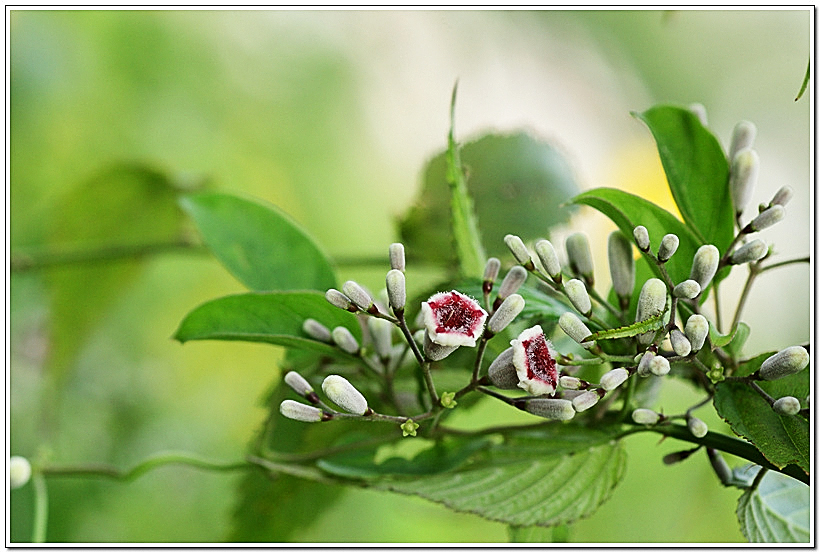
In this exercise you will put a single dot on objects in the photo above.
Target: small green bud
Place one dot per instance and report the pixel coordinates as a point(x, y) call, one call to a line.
point(659, 366)
point(409, 427)
point(577, 294)
point(585, 400)
point(715, 374)
point(680, 343)
point(513, 280)
point(614, 378)
point(743, 136)
point(301, 412)
point(345, 395)
point(396, 290)
point(699, 111)
point(784, 363)
point(448, 400)
point(645, 416)
point(553, 409)
point(549, 259)
point(704, 265)
point(668, 247)
point(697, 427)
point(343, 338)
point(688, 289)
point(787, 405)
point(358, 295)
point(337, 299)
point(580, 257)
point(696, 330)
point(502, 371)
point(766, 219)
point(743, 177)
point(19, 472)
point(381, 332)
point(506, 312)
point(641, 236)
point(782, 196)
point(752, 251)
point(575, 329)
point(621, 264)
point(397, 256)
point(519, 250)
point(316, 330)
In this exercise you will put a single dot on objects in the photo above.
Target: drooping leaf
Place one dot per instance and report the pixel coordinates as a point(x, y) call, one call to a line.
point(776, 511)
point(258, 243)
point(517, 184)
point(272, 317)
point(697, 171)
point(782, 439)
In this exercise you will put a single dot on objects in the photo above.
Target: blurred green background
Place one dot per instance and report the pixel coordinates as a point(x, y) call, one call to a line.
point(332, 115)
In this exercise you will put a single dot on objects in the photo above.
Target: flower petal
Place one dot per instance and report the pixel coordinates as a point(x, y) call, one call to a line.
point(453, 319)
point(534, 360)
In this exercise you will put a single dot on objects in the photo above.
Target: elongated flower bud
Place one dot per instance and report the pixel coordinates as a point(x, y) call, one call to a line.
point(645, 416)
point(504, 315)
point(490, 274)
point(553, 409)
point(621, 264)
point(614, 378)
point(697, 427)
point(659, 366)
point(651, 302)
point(300, 412)
point(298, 383)
point(766, 219)
point(687, 289)
point(696, 330)
point(316, 330)
point(575, 328)
point(680, 343)
point(397, 256)
point(513, 280)
point(381, 332)
point(435, 351)
point(344, 394)
point(19, 471)
point(580, 257)
point(743, 177)
point(577, 294)
point(783, 363)
point(641, 236)
point(502, 371)
point(743, 136)
point(358, 295)
point(572, 383)
point(336, 298)
point(343, 338)
point(519, 250)
point(668, 247)
point(782, 196)
point(699, 110)
point(749, 252)
point(720, 466)
point(704, 265)
point(643, 364)
point(585, 400)
point(549, 259)
point(787, 405)
point(396, 291)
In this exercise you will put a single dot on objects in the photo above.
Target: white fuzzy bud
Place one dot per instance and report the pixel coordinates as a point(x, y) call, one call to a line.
point(687, 289)
point(743, 177)
point(782, 196)
point(645, 416)
point(554, 409)
point(680, 343)
point(19, 471)
point(643, 364)
point(513, 280)
point(358, 295)
point(336, 298)
point(381, 332)
point(344, 394)
point(300, 412)
point(577, 294)
point(704, 265)
point(621, 264)
point(580, 256)
point(297, 382)
point(316, 330)
point(506, 312)
point(491, 269)
point(697, 427)
point(641, 236)
point(396, 290)
point(502, 371)
point(668, 247)
point(751, 251)
point(434, 351)
point(784, 363)
point(787, 405)
point(518, 249)
point(743, 136)
point(549, 259)
point(397, 256)
point(651, 302)
point(585, 400)
point(696, 330)
point(659, 366)
point(570, 382)
point(343, 338)
point(614, 378)
point(575, 328)
point(769, 217)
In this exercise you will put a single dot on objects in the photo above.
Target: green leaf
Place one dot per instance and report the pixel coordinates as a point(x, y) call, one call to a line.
point(782, 439)
point(697, 171)
point(805, 81)
point(538, 534)
point(776, 511)
point(518, 185)
point(272, 317)
point(628, 211)
point(737, 336)
point(258, 243)
point(545, 478)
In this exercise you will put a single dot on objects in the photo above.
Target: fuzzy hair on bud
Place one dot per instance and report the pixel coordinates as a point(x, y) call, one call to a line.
point(575, 328)
point(743, 177)
point(343, 338)
point(743, 137)
point(577, 294)
point(751, 251)
point(502, 371)
point(337, 299)
point(783, 363)
point(769, 217)
point(506, 312)
point(651, 302)
point(358, 295)
point(298, 383)
point(491, 269)
point(585, 400)
point(580, 256)
point(19, 471)
point(680, 343)
point(434, 351)
point(782, 196)
point(344, 394)
point(643, 364)
point(397, 256)
point(688, 289)
point(513, 280)
point(549, 259)
point(553, 409)
point(704, 265)
point(570, 382)
point(659, 366)
point(697, 427)
point(316, 330)
point(621, 264)
point(614, 378)
point(668, 247)
point(645, 416)
point(381, 332)
point(786, 405)
point(396, 290)
point(641, 236)
point(300, 411)
point(518, 249)
point(696, 330)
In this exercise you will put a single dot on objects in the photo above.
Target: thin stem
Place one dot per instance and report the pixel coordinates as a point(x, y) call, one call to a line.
point(754, 270)
point(38, 532)
point(308, 473)
point(482, 345)
point(786, 262)
point(428, 380)
point(718, 317)
point(408, 336)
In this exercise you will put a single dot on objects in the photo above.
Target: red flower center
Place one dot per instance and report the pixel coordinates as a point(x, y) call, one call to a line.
point(540, 364)
point(455, 313)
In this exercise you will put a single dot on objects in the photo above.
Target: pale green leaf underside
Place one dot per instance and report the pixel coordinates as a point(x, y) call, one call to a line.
point(776, 512)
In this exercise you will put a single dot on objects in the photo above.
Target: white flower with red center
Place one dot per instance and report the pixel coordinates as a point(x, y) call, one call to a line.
point(534, 360)
point(453, 319)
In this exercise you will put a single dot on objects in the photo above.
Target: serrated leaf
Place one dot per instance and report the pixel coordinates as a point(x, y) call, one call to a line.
point(258, 243)
point(697, 171)
point(271, 317)
point(777, 511)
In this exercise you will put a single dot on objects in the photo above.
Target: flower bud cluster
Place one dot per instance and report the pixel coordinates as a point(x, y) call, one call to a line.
point(337, 389)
